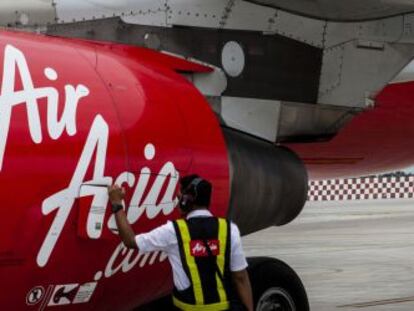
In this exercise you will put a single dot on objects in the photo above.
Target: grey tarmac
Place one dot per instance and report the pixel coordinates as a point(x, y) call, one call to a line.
point(354, 255)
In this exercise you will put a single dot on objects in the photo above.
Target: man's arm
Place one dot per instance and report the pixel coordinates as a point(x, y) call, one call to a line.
point(241, 282)
point(238, 265)
point(125, 231)
point(116, 195)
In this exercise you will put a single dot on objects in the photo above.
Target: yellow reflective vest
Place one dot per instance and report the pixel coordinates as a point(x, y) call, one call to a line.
point(204, 244)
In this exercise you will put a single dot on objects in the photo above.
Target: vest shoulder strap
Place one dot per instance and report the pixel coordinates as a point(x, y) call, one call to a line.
point(189, 260)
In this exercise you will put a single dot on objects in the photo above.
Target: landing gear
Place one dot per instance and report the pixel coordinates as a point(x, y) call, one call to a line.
point(276, 287)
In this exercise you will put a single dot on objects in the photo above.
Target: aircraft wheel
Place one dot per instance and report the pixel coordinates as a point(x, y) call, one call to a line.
point(276, 286)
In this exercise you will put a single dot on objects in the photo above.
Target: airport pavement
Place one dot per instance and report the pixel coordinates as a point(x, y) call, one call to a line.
point(349, 255)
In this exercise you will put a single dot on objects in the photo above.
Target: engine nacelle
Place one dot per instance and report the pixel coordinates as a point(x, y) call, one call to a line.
point(269, 184)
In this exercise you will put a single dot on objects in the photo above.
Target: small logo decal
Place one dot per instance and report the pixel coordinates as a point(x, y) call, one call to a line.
point(35, 295)
point(198, 249)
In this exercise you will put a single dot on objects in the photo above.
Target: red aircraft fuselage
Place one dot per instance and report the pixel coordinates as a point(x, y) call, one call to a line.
point(377, 140)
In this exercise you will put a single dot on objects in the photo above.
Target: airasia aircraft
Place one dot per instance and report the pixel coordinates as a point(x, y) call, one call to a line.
point(77, 115)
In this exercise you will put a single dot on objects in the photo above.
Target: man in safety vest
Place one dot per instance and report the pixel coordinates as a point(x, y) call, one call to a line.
point(205, 252)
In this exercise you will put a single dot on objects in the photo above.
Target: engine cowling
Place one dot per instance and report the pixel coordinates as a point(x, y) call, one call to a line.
point(269, 184)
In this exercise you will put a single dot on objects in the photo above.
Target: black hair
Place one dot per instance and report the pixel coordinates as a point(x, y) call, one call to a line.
point(203, 190)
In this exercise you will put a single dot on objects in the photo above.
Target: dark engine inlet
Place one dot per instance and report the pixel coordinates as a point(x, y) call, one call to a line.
point(269, 184)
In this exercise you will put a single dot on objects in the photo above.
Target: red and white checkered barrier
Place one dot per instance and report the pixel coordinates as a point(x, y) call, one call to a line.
point(365, 188)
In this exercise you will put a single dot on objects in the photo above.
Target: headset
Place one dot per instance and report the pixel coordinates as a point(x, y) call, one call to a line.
point(187, 200)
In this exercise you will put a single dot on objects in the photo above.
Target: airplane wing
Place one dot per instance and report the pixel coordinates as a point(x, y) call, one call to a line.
point(337, 10)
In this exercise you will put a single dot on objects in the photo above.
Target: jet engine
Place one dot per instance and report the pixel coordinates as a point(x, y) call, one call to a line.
point(269, 183)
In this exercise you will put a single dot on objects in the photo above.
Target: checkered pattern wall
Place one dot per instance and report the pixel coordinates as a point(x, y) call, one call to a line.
point(365, 188)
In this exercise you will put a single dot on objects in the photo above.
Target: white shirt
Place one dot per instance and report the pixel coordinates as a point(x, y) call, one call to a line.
point(164, 239)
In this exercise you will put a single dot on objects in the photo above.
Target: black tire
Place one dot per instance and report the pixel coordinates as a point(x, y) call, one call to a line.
point(276, 286)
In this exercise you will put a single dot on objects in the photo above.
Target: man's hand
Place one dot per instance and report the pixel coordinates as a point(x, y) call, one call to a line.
point(116, 194)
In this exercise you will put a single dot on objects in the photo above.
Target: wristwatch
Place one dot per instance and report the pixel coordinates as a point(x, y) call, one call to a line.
point(116, 208)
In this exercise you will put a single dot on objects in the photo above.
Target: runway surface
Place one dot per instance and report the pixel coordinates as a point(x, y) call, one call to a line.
point(349, 255)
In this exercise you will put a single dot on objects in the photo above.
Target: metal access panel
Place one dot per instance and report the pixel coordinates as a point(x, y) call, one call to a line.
point(257, 65)
point(277, 67)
